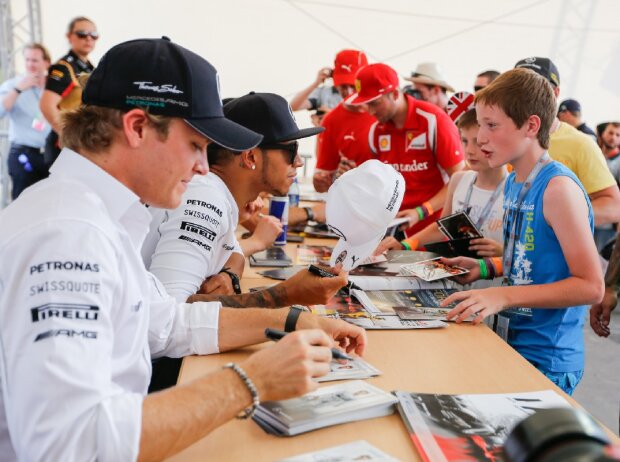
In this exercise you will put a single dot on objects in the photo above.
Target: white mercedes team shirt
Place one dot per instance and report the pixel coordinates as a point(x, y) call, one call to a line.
point(186, 245)
point(80, 318)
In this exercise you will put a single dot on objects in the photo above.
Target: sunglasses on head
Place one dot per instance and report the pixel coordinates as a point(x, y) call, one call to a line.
point(83, 34)
point(291, 148)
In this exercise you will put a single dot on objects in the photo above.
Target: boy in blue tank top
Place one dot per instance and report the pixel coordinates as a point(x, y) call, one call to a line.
point(550, 265)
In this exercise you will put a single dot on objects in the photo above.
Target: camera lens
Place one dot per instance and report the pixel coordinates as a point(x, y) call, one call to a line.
point(552, 435)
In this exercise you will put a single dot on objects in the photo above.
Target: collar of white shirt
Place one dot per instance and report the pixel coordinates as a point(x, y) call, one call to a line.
point(122, 203)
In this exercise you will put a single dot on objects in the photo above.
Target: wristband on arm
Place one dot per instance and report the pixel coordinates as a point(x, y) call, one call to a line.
point(410, 243)
point(497, 264)
point(248, 411)
point(236, 283)
point(309, 213)
point(291, 318)
point(484, 273)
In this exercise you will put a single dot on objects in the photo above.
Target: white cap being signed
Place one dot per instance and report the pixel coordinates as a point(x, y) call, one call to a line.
point(360, 206)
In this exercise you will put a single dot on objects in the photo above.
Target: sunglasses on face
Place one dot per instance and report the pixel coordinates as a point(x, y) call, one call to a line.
point(291, 148)
point(478, 88)
point(84, 34)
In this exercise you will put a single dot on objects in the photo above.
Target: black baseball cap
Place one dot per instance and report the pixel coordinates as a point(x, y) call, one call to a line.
point(268, 114)
point(170, 81)
point(542, 66)
point(570, 105)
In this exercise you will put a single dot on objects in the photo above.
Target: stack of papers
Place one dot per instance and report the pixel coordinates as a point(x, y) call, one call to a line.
point(356, 451)
point(409, 305)
point(356, 369)
point(333, 405)
point(432, 270)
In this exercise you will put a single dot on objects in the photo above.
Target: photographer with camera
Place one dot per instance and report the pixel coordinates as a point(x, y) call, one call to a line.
point(319, 97)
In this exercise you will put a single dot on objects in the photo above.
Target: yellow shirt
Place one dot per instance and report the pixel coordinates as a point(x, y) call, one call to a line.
point(581, 154)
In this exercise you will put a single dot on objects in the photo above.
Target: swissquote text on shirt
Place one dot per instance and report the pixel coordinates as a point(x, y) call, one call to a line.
point(550, 338)
point(427, 145)
point(186, 245)
point(80, 318)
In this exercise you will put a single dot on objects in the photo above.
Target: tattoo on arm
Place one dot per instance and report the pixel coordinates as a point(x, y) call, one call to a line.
point(612, 276)
point(273, 297)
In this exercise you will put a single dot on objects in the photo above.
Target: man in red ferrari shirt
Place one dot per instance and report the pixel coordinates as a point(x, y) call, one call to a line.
point(417, 138)
point(344, 143)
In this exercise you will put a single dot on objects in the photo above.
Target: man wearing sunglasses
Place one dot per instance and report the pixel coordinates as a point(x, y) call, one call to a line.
point(63, 90)
point(197, 240)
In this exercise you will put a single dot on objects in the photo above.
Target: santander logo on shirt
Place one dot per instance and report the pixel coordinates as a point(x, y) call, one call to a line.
point(415, 166)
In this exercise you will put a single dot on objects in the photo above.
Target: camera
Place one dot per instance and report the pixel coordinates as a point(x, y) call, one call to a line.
point(554, 435)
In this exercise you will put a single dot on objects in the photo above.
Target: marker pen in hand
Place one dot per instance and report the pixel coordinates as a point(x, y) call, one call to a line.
point(326, 274)
point(275, 335)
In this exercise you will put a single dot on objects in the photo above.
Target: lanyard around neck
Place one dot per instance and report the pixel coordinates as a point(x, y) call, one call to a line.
point(509, 244)
point(488, 206)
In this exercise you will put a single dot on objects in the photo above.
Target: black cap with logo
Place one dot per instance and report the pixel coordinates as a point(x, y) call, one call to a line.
point(542, 66)
point(268, 114)
point(570, 105)
point(169, 80)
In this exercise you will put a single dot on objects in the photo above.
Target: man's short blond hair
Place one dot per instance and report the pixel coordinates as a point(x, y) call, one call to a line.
point(94, 128)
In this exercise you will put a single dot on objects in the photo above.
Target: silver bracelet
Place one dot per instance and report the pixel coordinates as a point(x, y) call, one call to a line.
point(248, 411)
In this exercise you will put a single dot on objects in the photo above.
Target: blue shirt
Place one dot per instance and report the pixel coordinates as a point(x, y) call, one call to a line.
point(26, 123)
point(551, 338)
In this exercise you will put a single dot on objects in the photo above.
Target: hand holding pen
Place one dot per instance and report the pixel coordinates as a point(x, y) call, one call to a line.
point(275, 335)
point(326, 274)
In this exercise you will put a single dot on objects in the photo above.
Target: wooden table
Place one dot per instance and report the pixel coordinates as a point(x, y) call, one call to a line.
point(458, 359)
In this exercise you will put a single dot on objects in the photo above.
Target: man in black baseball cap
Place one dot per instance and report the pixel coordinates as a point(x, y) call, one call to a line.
point(569, 111)
point(542, 66)
point(80, 314)
point(579, 152)
point(235, 180)
point(170, 81)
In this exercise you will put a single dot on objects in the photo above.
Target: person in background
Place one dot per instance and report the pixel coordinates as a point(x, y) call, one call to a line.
point(600, 313)
point(569, 111)
point(578, 152)
point(416, 137)
point(19, 99)
point(428, 80)
point(484, 78)
point(344, 143)
point(318, 96)
point(63, 90)
point(479, 191)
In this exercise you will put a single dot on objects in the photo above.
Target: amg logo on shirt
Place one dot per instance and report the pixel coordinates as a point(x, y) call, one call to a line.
point(197, 242)
point(197, 229)
point(64, 266)
point(65, 310)
point(87, 334)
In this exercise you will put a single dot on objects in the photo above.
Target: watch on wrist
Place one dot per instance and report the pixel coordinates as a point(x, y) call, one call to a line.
point(236, 283)
point(17, 90)
point(293, 315)
point(309, 213)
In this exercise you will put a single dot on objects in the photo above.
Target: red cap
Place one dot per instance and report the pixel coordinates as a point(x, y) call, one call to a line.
point(346, 65)
point(372, 82)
